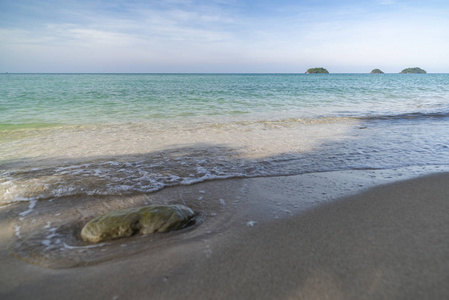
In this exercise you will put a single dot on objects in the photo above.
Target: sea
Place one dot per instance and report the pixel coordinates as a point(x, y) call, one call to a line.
point(121, 134)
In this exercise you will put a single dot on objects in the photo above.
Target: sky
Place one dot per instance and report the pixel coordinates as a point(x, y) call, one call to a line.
point(223, 36)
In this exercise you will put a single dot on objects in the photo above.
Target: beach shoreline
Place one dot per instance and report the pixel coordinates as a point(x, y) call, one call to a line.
point(335, 235)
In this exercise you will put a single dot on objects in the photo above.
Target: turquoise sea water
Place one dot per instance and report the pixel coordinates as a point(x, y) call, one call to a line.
point(44, 99)
point(112, 134)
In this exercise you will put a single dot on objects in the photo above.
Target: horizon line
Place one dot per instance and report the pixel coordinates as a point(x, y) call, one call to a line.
point(216, 73)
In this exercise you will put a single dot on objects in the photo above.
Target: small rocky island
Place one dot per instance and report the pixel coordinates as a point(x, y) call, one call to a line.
point(317, 71)
point(376, 71)
point(413, 71)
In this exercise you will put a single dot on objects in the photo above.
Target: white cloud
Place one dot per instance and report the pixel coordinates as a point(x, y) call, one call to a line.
point(207, 38)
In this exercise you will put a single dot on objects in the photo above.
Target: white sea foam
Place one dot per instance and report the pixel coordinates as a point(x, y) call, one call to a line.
point(29, 210)
point(17, 231)
point(251, 223)
point(52, 233)
point(46, 243)
point(83, 247)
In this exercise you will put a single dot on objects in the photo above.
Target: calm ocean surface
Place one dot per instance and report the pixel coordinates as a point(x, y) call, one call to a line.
point(113, 134)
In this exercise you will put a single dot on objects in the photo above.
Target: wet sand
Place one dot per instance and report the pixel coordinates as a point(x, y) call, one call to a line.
point(262, 238)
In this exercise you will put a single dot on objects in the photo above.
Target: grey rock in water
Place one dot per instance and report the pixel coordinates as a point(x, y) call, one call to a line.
point(145, 220)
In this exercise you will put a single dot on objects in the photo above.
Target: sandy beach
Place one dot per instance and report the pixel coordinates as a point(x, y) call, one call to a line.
point(190, 150)
point(295, 237)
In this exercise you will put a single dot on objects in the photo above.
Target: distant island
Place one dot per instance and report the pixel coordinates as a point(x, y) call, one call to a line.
point(377, 71)
point(317, 71)
point(413, 71)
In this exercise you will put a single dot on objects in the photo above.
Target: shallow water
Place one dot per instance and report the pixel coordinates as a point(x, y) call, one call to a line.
point(119, 134)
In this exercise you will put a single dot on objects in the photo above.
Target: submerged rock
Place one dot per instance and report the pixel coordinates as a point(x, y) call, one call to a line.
point(126, 222)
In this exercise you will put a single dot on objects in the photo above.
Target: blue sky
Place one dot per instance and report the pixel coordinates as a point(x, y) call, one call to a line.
point(223, 35)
